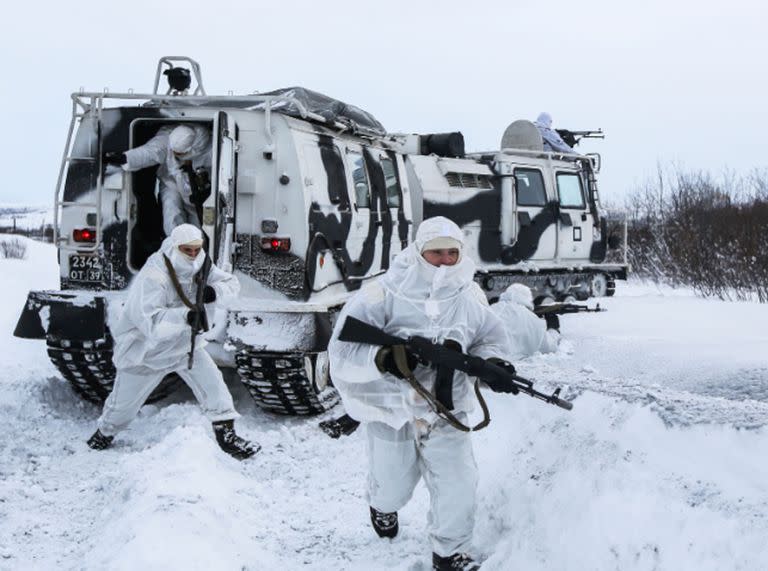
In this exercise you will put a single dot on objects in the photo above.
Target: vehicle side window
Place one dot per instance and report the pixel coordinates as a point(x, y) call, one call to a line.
point(569, 190)
point(359, 179)
point(390, 179)
point(530, 187)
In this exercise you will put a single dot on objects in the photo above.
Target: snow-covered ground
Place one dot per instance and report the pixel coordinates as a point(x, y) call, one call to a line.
point(662, 464)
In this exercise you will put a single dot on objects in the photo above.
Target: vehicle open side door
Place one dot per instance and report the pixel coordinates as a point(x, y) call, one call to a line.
point(219, 208)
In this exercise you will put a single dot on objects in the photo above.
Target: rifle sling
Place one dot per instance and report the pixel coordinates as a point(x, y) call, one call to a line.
point(401, 360)
point(176, 284)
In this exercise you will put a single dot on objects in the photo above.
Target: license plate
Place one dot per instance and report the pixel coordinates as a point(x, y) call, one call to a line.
point(84, 268)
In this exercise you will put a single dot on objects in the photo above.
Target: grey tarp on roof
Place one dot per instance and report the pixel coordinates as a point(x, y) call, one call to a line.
point(327, 107)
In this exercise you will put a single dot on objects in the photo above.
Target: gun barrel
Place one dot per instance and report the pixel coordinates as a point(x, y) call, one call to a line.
point(565, 308)
point(593, 132)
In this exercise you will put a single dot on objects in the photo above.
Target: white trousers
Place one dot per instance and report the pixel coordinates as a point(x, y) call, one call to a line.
point(176, 210)
point(440, 454)
point(132, 389)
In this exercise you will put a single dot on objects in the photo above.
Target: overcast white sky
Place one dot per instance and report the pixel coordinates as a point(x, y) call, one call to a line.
point(681, 82)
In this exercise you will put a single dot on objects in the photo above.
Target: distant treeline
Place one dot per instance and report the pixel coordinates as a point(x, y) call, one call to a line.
point(709, 233)
point(42, 234)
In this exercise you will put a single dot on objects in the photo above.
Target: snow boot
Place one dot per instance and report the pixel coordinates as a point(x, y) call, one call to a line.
point(337, 427)
point(385, 524)
point(231, 443)
point(455, 562)
point(100, 441)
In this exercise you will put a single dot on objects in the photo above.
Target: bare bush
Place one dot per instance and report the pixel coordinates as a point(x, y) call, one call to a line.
point(13, 249)
point(710, 234)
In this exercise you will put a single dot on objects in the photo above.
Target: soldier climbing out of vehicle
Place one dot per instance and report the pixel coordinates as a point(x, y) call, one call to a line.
point(152, 340)
point(183, 153)
point(428, 291)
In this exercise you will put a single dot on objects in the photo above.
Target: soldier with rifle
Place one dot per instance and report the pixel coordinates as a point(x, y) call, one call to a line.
point(403, 356)
point(528, 333)
point(158, 334)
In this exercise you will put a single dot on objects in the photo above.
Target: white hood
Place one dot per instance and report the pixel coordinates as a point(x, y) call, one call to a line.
point(183, 234)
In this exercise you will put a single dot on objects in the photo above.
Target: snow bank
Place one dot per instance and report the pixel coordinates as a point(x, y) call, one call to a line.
point(611, 486)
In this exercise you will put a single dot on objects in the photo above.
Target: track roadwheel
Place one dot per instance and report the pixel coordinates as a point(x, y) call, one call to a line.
point(88, 367)
point(287, 383)
point(598, 285)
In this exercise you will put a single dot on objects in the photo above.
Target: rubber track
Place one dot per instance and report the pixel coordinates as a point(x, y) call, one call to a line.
point(88, 367)
point(283, 389)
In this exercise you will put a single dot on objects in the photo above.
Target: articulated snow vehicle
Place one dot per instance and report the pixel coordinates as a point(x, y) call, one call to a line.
point(311, 199)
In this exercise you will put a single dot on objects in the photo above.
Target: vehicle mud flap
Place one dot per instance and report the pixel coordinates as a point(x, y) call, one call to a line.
point(61, 316)
point(30, 325)
point(599, 248)
point(283, 383)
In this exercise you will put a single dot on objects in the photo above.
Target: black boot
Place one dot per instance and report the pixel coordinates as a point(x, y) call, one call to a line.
point(100, 441)
point(231, 443)
point(455, 562)
point(342, 426)
point(385, 524)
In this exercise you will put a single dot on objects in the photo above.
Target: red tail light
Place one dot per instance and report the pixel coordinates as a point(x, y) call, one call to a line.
point(276, 244)
point(84, 235)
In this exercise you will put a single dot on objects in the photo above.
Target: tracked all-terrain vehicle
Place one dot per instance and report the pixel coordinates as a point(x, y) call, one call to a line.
point(312, 198)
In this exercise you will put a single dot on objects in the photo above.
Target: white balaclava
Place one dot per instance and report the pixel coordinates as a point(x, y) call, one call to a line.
point(181, 139)
point(544, 120)
point(184, 235)
point(519, 294)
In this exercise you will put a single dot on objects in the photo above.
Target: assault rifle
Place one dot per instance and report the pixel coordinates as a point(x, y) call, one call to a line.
point(357, 331)
point(564, 308)
point(200, 323)
point(572, 138)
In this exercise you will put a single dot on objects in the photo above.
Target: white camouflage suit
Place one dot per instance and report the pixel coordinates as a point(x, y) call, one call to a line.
point(152, 337)
point(528, 333)
point(175, 189)
point(551, 138)
point(405, 439)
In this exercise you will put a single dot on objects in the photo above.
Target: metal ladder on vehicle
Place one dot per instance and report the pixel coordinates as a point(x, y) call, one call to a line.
point(594, 195)
point(80, 110)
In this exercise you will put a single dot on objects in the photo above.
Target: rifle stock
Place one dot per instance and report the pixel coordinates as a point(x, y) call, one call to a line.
point(357, 331)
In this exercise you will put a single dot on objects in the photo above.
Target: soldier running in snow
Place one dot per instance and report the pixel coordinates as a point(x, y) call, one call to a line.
point(152, 339)
point(428, 291)
point(184, 155)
